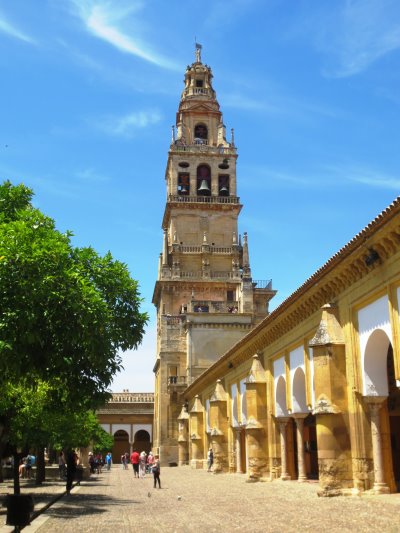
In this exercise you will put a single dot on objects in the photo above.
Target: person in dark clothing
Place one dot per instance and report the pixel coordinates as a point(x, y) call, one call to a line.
point(156, 471)
point(72, 460)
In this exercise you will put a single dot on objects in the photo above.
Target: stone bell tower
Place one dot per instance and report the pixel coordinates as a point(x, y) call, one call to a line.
point(205, 296)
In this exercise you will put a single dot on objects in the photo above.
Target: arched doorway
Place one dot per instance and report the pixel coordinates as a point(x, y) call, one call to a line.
point(394, 417)
point(310, 447)
point(380, 382)
point(121, 445)
point(142, 441)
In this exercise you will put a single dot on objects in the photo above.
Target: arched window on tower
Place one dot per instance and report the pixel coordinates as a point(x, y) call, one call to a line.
point(200, 134)
point(223, 185)
point(183, 183)
point(203, 180)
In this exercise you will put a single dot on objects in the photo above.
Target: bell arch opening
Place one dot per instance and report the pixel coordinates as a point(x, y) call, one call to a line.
point(203, 180)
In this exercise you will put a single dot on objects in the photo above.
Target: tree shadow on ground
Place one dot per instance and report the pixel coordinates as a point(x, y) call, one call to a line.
point(75, 506)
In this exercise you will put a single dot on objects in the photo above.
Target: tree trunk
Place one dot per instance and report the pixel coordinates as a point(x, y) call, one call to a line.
point(40, 466)
point(17, 488)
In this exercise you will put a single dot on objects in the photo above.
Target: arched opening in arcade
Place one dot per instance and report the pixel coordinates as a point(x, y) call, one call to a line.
point(379, 373)
point(142, 441)
point(121, 445)
point(302, 434)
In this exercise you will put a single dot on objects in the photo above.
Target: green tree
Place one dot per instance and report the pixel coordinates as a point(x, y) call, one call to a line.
point(65, 312)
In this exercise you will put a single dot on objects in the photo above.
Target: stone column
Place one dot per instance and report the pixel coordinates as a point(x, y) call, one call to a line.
point(299, 419)
point(282, 429)
point(375, 403)
point(238, 433)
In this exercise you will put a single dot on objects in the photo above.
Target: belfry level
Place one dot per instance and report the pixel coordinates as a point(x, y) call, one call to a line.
point(205, 295)
point(313, 391)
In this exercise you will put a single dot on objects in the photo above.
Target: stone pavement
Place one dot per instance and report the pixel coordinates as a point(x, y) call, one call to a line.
point(196, 501)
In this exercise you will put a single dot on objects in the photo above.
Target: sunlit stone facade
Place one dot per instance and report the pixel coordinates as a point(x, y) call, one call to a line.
point(312, 392)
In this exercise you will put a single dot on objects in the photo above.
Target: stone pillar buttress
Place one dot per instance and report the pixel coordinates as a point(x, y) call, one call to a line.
point(238, 449)
point(196, 434)
point(283, 422)
point(331, 405)
point(375, 404)
point(299, 419)
point(183, 443)
point(219, 428)
point(256, 401)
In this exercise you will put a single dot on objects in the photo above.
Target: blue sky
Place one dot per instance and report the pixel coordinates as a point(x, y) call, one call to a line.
point(89, 91)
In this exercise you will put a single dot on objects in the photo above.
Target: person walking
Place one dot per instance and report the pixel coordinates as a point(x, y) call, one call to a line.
point(135, 462)
point(72, 460)
point(156, 471)
point(109, 460)
point(150, 462)
point(61, 465)
point(142, 465)
point(210, 459)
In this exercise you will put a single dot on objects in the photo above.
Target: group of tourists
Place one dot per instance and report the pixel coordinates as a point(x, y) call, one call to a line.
point(25, 466)
point(143, 463)
point(96, 462)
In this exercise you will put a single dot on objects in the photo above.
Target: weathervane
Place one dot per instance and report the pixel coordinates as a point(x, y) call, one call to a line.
point(198, 52)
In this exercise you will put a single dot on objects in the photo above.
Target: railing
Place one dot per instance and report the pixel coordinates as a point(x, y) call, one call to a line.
point(204, 199)
point(262, 284)
point(222, 275)
point(198, 91)
point(177, 380)
point(203, 147)
point(190, 274)
point(132, 397)
point(196, 249)
point(172, 320)
point(193, 274)
point(211, 306)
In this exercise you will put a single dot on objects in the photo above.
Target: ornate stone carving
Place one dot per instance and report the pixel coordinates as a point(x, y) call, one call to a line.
point(323, 406)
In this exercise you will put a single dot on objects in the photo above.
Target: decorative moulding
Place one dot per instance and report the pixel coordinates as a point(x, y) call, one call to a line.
point(219, 394)
point(323, 406)
point(329, 330)
point(252, 423)
point(257, 372)
point(197, 405)
point(215, 432)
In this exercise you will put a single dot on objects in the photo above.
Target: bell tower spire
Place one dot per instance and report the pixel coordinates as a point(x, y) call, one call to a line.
point(205, 297)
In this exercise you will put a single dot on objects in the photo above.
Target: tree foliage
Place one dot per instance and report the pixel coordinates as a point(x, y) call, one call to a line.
point(66, 312)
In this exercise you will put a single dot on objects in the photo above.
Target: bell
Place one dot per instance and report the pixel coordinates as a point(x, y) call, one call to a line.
point(204, 188)
point(184, 189)
point(223, 191)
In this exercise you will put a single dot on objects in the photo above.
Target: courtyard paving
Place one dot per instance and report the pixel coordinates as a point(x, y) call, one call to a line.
point(196, 501)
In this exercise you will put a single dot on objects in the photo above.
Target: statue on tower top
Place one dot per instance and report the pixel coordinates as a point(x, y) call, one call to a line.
point(198, 52)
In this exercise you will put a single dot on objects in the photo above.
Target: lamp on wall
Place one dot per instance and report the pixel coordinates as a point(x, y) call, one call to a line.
point(372, 257)
point(230, 364)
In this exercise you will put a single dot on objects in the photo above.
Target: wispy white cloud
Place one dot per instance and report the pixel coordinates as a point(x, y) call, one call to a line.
point(105, 20)
point(127, 125)
point(12, 31)
point(356, 35)
point(218, 12)
point(238, 101)
point(91, 175)
point(374, 178)
point(328, 176)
